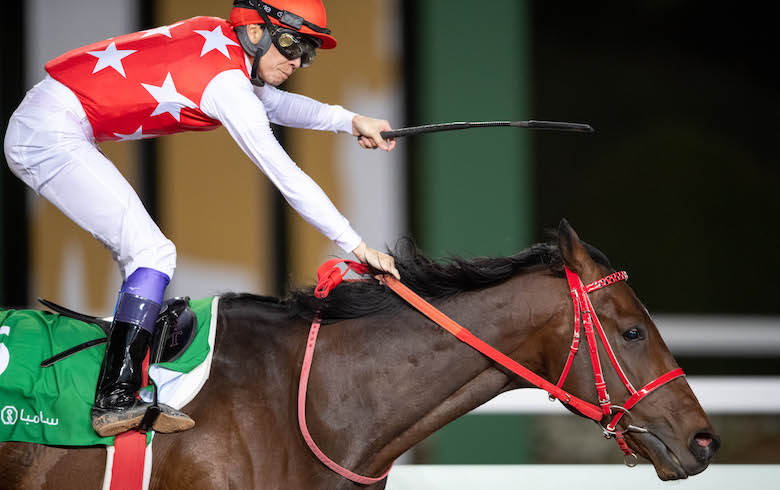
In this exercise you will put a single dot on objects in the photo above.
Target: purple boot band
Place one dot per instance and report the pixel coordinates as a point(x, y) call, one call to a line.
point(141, 297)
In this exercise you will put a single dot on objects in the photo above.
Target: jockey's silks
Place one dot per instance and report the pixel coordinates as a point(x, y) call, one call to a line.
point(150, 83)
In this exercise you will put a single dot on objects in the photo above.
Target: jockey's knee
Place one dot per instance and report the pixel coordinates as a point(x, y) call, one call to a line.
point(160, 256)
point(12, 149)
point(21, 155)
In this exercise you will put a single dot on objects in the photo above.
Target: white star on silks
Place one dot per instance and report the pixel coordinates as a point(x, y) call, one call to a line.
point(168, 99)
point(216, 40)
point(164, 30)
point(137, 135)
point(111, 57)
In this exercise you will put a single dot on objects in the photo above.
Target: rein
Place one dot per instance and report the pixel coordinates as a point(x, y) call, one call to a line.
point(330, 275)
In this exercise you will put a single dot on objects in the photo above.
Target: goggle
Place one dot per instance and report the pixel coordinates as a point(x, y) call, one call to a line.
point(293, 44)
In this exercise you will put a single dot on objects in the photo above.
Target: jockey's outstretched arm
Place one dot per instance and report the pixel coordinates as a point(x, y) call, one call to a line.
point(231, 99)
point(298, 111)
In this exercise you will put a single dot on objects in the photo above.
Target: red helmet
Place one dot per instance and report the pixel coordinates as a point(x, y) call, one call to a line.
point(309, 14)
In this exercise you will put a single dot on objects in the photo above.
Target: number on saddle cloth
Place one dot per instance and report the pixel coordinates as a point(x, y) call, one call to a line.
point(175, 330)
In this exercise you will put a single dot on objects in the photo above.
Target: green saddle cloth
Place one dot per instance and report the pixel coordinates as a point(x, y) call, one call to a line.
point(52, 405)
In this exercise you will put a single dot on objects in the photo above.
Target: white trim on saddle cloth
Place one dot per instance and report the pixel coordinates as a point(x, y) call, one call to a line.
point(174, 389)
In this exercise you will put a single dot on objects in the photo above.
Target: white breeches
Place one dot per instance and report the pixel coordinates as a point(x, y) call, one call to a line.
point(50, 146)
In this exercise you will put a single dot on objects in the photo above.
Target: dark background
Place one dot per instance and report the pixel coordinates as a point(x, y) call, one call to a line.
point(679, 185)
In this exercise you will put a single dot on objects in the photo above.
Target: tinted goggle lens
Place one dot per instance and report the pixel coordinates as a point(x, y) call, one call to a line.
point(294, 45)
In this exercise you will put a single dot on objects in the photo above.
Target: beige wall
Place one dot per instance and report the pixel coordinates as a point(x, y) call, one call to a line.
point(214, 201)
point(363, 62)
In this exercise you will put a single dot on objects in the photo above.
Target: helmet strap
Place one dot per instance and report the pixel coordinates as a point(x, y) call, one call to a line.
point(261, 48)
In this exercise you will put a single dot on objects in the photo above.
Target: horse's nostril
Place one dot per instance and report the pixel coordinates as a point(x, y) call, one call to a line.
point(704, 445)
point(703, 440)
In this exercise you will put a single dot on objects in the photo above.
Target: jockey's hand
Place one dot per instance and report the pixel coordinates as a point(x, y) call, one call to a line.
point(376, 259)
point(367, 129)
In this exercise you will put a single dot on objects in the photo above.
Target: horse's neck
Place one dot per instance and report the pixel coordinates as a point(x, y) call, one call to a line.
point(407, 378)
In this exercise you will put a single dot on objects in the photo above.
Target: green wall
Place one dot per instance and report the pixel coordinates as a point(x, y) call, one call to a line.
point(472, 188)
point(482, 439)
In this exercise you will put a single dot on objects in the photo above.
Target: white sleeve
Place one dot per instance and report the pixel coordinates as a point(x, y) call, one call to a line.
point(298, 111)
point(229, 99)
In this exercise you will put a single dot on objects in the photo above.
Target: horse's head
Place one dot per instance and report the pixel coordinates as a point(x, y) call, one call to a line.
point(679, 439)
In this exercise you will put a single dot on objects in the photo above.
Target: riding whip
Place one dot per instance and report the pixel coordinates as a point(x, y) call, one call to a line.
point(452, 126)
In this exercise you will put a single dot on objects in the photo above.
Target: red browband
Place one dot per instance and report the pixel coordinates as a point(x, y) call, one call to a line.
point(330, 275)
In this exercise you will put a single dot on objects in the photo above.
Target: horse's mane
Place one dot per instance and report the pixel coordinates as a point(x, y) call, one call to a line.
point(429, 278)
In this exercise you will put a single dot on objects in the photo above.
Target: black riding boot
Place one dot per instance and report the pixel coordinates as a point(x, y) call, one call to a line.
point(116, 408)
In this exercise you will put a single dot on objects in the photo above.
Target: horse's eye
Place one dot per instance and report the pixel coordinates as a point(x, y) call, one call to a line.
point(633, 334)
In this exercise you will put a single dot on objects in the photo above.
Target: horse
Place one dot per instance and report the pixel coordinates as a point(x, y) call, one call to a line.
point(385, 377)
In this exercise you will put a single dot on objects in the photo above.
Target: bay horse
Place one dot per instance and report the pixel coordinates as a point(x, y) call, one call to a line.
point(385, 377)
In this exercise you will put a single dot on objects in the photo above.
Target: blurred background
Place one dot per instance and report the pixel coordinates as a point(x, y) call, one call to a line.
point(679, 185)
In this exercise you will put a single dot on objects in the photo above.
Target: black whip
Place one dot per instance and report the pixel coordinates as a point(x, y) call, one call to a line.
point(435, 128)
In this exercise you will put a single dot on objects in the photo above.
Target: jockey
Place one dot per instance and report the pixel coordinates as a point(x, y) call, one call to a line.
point(194, 75)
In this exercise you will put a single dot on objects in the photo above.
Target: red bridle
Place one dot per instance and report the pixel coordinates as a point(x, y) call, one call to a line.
point(585, 315)
point(330, 275)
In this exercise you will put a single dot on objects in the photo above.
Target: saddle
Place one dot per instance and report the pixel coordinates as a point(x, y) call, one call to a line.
point(175, 329)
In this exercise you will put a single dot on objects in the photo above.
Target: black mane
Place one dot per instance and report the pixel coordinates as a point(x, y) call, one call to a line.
point(429, 278)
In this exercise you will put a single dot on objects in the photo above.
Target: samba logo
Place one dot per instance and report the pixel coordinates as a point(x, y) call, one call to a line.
point(9, 415)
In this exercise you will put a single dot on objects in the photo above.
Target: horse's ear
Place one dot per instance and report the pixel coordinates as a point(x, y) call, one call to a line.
point(573, 253)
